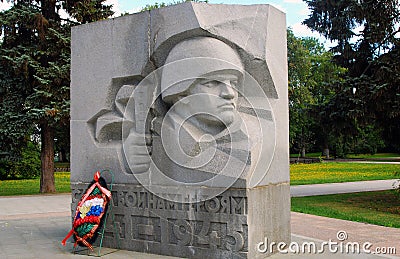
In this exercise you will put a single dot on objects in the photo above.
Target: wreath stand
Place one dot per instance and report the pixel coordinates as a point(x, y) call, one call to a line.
point(96, 252)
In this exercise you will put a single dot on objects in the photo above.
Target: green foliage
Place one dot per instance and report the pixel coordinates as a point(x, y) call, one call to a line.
point(310, 73)
point(35, 71)
point(162, 4)
point(36, 54)
point(149, 7)
point(87, 11)
point(369, 140)
point(300, 93)
point(367, 37)
point(29, 165)
point(339, 21)
point(5, 167)
point(26, 167)
point(62, 143)
point(14, 119)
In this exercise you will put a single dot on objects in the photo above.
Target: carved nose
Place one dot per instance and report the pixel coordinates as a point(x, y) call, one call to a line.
point(227, 90)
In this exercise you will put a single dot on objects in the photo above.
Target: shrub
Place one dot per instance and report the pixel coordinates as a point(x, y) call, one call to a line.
point(5, 167)
point(28, 166)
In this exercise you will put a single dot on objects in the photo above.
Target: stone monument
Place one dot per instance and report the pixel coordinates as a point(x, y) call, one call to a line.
point(187, 106)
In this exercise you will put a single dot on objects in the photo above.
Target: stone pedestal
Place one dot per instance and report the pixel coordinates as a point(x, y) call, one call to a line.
point(227, 226)
point(119, 106)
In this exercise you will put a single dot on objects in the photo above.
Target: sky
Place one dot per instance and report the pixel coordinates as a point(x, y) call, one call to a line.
point(296, 11)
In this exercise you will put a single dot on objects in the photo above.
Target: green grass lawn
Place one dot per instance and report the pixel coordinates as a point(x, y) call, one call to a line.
point(378, 155)
point(379, 208)
point(299, 174)
point(31, 186)
point(310, 155)
point(341, 172)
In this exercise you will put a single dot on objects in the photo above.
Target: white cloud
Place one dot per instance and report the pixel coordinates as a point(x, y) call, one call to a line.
point(63, 14)
point(116, 7)
point(4, 5)
point(397, 28)
point(301, 30)
point(118, 10)
point(359, 29)
point(293, 1)
point(305, 11)
point(134, 10)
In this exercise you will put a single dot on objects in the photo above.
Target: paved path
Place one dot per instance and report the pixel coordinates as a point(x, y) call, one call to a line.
point(33, 226)
point(324, 229)
point(28, 206)
point(349, 187)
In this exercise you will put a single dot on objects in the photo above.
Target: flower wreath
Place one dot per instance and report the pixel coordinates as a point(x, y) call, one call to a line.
point(89, 213)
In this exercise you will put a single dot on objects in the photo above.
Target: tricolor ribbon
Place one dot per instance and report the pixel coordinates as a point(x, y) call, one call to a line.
point(107, 193)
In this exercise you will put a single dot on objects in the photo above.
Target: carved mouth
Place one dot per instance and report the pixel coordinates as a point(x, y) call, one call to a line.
point(227, 106)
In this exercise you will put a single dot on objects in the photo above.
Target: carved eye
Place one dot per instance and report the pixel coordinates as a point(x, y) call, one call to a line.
point(216, 83)
point(211, 83)
point(234, 83)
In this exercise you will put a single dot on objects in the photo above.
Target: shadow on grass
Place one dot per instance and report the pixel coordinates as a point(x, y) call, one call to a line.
point(379, 208)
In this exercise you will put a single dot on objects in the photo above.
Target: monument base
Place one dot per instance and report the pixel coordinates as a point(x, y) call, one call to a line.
point(230, 225)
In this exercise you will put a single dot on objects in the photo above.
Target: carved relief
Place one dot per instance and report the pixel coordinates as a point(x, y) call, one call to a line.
point(200, 119)
point(143, 217)
point(184, 105)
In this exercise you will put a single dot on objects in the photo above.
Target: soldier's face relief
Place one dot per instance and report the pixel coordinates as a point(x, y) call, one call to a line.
point(213, 100)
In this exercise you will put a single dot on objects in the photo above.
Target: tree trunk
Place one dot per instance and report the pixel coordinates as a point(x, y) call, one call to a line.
point(49, 9)
point(47, 183)
point(325, 152)
point(303, 152)
point(63, 155)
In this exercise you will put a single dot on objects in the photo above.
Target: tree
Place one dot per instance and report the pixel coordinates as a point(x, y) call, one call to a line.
point(310, 72)
point(300, 95)
point(13, 123)
point(63, 143)
point(367, 37)
point(156, 5)
point(35, 50)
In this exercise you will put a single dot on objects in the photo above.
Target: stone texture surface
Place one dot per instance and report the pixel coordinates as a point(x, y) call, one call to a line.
point(226, 226)
point(109, 54)
point(110, 59)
